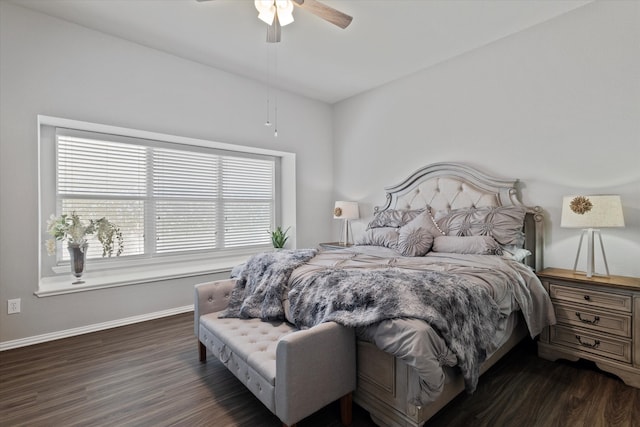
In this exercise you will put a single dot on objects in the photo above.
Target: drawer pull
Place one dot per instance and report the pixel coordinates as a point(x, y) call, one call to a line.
point(587, 298)
point(595, 320)
point(594, 344)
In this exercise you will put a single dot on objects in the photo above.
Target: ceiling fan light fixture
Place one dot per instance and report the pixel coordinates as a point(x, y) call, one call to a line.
point(266, 10)
point(285, 11)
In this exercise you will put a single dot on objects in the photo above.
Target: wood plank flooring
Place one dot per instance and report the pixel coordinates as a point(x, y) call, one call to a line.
point(148, 374)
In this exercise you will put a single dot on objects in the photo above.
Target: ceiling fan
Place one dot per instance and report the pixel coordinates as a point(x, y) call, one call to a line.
point(278, 13)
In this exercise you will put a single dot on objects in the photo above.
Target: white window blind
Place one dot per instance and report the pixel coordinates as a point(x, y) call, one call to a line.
point(166, 198)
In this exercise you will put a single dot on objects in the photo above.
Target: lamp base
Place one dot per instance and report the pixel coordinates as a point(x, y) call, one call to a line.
point(345, 238)
point(590, 232)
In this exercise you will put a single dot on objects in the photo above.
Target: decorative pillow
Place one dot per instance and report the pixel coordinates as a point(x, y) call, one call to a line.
point(478, 245)
point(503, 223)
point(415, 238)
point(383, 236)
point(393, 218)
point(514, 252)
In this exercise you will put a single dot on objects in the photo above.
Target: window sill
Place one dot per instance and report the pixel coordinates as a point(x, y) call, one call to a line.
point(60, 285)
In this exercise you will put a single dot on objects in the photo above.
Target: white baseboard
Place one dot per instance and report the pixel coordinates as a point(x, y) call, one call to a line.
point(23, 342)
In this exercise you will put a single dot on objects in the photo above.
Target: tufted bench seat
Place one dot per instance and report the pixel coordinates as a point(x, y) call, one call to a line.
point(292, 372)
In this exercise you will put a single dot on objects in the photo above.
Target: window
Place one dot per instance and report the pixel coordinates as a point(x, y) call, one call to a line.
point(175, 199)
point(167, 199)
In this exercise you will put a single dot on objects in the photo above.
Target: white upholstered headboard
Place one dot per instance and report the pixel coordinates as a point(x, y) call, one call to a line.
point(447, 186)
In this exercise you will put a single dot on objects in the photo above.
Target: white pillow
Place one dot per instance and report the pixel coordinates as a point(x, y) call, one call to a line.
point(515, 252)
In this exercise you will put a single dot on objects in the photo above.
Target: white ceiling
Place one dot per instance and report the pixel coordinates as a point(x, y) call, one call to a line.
point(387, 39)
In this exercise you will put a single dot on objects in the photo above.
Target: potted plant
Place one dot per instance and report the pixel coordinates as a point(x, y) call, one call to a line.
point(75, 232)
point(279, 237)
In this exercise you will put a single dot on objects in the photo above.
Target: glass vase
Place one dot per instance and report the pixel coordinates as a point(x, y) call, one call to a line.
point(77, 258)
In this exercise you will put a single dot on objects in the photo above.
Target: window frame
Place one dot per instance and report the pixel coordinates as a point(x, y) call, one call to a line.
point(54, 279)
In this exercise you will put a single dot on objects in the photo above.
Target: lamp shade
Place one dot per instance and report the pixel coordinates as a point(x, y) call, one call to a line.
point(346, 210)
point(592, 211)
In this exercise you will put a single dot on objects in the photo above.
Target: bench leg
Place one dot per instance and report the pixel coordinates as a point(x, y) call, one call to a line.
point(202, 351)
point(346, 409)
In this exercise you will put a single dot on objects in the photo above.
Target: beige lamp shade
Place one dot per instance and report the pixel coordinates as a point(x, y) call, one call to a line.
point(346, 210)
point(592, 212)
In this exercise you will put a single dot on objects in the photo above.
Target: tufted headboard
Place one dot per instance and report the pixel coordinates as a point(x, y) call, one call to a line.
point(447, 186)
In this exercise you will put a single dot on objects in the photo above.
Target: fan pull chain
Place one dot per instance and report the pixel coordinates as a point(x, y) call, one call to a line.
point(268, 123)
point(275, 92)
point(272, 82)
point(275, 132)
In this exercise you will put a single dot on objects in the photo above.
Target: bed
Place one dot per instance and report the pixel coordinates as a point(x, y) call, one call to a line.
point(439, 287)
point(383, 380)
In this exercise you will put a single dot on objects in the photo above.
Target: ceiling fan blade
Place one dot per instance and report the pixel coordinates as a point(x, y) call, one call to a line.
point(273, 31)
point(325, 12)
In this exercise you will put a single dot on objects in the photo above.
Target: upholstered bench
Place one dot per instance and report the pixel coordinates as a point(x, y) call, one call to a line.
point(293, 372)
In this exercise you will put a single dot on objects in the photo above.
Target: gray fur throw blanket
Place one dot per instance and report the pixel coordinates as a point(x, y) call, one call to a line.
point(262, 284)
point(464, 315)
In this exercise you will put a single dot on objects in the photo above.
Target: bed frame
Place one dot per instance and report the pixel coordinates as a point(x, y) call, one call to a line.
point(382, 378)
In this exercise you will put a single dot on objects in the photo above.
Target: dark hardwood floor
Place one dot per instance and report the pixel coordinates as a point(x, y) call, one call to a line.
point(148, 374)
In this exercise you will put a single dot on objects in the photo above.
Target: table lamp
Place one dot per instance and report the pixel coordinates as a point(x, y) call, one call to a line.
point(591, 213)
point(346, 211)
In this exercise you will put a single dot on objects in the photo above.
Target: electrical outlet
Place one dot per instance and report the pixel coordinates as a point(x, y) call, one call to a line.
point(13, 306)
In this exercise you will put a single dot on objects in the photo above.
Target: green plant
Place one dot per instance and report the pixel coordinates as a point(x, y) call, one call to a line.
point(70, 228)
point(279, 237)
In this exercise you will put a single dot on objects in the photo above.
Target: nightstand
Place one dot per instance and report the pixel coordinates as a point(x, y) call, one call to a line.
point(335, 245)
point(598, 319)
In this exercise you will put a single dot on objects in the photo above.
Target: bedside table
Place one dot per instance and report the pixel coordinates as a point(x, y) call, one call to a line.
point(598, 319)
point(335, 245)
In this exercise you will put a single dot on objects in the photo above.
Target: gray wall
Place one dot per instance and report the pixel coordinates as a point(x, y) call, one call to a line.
point(55, 68)
point(557, 106)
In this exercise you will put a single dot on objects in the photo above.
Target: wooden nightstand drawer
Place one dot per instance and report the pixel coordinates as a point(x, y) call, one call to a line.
point(590, 297)
point(579, 339)
point(593, 319)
